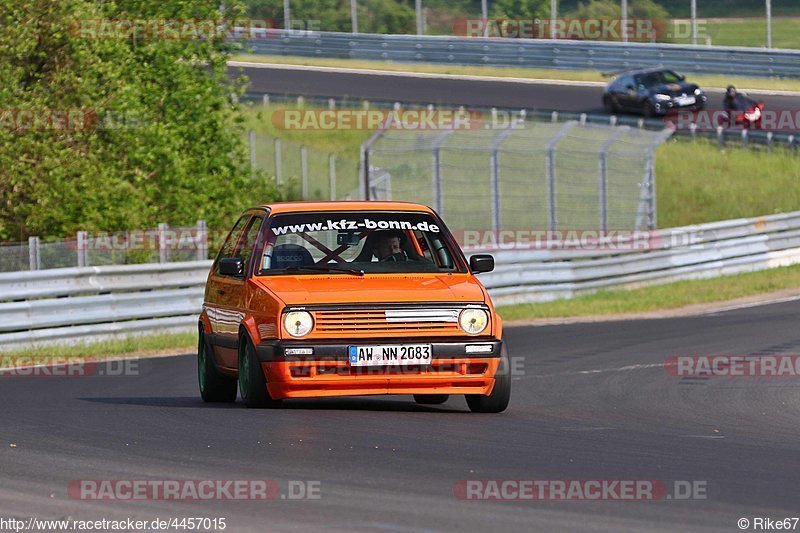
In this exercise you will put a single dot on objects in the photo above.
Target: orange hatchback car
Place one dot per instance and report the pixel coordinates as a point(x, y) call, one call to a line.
point(349, 298)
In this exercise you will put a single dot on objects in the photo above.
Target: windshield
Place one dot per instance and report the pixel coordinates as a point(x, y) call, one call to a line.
point(353, 243)
point(661, 77)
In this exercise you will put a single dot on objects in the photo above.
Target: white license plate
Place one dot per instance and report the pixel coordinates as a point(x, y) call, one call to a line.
point(390, 354)
point(685, 100)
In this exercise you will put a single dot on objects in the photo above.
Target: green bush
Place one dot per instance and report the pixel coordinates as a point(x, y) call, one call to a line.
point(158, 135)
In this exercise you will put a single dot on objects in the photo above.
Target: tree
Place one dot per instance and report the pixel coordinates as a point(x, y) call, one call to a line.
point(522, 9)
point(153, 132)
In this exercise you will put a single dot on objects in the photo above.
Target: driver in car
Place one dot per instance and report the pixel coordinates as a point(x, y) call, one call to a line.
point(387, 247)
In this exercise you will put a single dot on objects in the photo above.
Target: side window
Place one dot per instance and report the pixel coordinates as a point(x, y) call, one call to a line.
point(233, 237)
point(245, 246)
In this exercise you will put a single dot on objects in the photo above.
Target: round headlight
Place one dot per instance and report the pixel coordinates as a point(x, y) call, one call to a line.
point(473, 321)
point(298, 323)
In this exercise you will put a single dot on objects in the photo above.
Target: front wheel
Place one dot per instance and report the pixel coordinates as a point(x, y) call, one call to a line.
point(252, 381)
point(610, 105)
point(214, 387)
point(497, 401)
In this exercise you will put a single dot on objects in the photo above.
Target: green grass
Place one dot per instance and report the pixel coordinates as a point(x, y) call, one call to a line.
point(660, 297)
point(139, 345)
point(697, 182)
point(749, 32)
point(707, 81)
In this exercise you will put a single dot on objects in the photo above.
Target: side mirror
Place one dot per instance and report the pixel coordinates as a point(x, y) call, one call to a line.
point(481, 263)
point(231, 266)
point(682, 77)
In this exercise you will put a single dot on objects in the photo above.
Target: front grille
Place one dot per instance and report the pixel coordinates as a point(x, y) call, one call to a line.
point(427, 321)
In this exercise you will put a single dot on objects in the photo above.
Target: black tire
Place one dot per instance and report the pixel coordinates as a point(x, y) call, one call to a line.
point(431, 399)
point(610, 104)
point(252, 381)
point(214, 387)
point(497, 401)
point(648, 110)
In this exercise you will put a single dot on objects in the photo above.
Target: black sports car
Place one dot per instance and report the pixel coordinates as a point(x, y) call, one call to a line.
point(652, 92)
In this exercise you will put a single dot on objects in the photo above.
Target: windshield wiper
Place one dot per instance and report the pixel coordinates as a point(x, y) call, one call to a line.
point(326, 268)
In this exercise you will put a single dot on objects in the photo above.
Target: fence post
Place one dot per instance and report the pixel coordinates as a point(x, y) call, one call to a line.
point(252, 137)
point(494, 176)
point(34, 259)
point(436, 179)
point(436, 170)
point(332, 175)
point(163, 255)
point(603, 160)
point(550, 170)
point(278, 179)
point(647, 195)
point(304, 172)
point(83, 245)
point(364, 161)
point(202, 240)
point(364, 156)
point(265, 100)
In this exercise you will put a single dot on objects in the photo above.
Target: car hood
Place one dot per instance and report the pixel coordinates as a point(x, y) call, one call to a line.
point(383, 288)
point(674, 89)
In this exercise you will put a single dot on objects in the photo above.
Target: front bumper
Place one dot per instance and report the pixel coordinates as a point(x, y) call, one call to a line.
point(327, 371)
point(664, 107)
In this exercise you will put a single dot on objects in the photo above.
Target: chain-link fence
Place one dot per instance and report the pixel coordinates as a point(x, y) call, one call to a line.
point(548, 176)
point(304, 172)
point(160, 245)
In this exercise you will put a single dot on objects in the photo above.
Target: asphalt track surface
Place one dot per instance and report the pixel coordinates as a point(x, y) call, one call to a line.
point(590, 401)
point(433, 90)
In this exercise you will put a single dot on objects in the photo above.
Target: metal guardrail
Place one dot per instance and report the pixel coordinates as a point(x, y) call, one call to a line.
point(532, 53)
point(72, 304)
point(691, 252)
point(83, 303)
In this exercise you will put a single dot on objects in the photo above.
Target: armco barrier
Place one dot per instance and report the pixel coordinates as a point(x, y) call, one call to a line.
point(82, 303)
point(533, 53)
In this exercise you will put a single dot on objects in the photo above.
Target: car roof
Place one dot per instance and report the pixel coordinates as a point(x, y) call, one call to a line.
point(347, 205)
point(644, 71)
